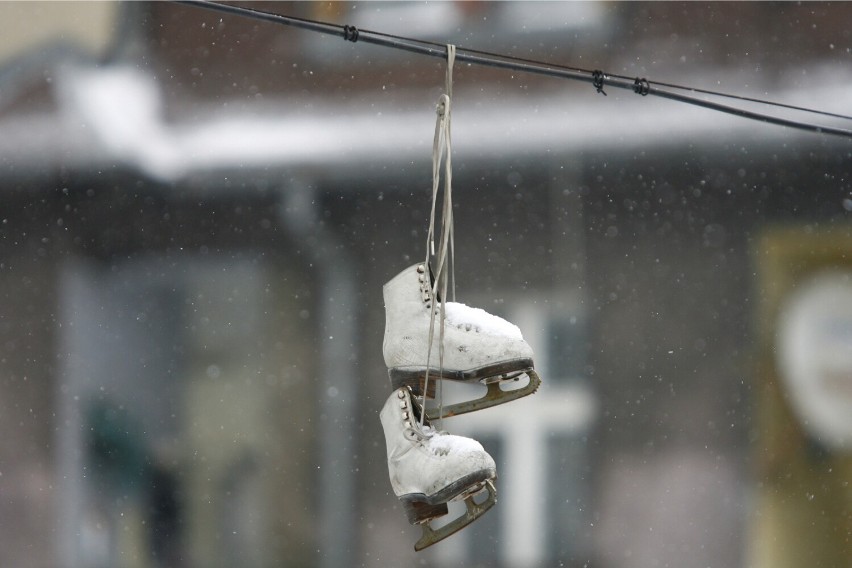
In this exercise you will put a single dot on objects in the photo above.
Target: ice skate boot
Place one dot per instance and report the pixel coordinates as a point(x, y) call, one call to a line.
point(477, 347)
point(428, 469)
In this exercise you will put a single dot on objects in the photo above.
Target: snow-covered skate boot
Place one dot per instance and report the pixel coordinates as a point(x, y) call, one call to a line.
point(477, 347)
point(428, 469)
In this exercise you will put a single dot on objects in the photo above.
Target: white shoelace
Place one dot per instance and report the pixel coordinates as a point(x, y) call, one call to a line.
point(445, 257)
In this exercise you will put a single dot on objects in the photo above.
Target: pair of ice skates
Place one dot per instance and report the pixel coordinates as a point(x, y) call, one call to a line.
point(429, 468)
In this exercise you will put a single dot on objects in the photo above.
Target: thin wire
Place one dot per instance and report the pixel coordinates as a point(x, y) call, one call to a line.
point(594, 73)
point(638, 85)
point(753, 100)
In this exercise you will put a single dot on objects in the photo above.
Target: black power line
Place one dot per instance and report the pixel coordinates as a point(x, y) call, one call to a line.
point(597, 78)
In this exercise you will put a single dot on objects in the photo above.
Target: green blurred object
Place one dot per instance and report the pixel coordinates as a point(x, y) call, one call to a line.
point(116, 446)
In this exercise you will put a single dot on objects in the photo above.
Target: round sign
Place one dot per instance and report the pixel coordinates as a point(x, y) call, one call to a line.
point(814, 353)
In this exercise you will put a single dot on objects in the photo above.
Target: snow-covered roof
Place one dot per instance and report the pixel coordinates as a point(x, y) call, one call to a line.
point(114, 115)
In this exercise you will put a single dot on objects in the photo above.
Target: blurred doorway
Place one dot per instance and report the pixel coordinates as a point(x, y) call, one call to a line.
point(171, 447)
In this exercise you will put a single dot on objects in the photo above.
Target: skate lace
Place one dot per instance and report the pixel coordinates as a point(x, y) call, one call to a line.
point(445, 256)
point(422, 435)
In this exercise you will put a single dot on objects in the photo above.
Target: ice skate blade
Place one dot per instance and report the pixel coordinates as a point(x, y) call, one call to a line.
point(415, 377)
point(473, 511)
point(493, 396)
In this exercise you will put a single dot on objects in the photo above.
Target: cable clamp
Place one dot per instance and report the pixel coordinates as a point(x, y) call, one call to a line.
point(598, 81)
point(350, 33)
point(641, 86)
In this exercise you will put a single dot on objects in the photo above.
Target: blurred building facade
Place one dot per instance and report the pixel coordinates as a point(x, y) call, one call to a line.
point(199, 214)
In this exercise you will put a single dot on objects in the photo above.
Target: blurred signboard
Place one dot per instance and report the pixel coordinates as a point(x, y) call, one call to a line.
point(803, 399)
point(814, 350)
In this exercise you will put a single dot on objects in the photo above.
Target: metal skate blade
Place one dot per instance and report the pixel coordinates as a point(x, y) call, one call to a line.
point(505, 377)
point(472, 512)
point(493, 396)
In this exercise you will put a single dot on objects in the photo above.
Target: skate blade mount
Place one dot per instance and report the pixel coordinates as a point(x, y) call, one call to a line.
point(472, 512)
point(493, 396)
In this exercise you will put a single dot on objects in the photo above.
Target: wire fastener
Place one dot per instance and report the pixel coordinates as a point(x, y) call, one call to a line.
point(641, 86)
point(350, 33)
point(598, 81)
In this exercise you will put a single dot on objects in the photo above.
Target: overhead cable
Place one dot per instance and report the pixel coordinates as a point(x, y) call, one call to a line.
point(597, 78)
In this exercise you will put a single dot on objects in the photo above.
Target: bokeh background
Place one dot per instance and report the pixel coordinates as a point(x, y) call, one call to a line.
point(199, 211)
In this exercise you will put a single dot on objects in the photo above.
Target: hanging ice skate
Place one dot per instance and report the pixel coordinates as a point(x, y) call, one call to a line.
point(429, 469)
point(473, 346)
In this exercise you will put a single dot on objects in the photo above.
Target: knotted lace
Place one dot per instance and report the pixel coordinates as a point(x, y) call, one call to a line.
point(445, 256)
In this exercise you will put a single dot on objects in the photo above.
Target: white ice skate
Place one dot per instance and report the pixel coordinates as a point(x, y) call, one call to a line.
point(477, 347)
point(428, 469)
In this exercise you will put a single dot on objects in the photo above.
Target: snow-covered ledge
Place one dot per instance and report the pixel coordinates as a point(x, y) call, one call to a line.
point(114, 115)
